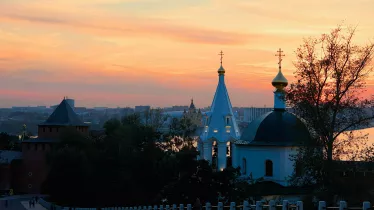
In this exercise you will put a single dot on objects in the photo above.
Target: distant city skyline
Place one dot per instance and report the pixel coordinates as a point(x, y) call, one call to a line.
point(160, 53)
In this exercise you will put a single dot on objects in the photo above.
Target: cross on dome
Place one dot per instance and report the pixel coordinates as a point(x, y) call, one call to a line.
point(221, 70)
point(280, 55)
point(221, 54)
point(279, 82)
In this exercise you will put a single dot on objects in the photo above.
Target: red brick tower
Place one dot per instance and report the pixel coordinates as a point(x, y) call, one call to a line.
point(34, 151)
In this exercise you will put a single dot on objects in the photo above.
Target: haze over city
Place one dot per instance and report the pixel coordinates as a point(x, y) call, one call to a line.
point(162, 53)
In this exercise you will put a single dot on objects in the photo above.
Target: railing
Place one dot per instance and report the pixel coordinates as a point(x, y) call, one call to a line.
point(286, 205)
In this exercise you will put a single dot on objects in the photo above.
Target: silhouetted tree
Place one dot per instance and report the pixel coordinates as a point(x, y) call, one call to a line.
point(154, 118)
point(9, 142)
point(331, 74)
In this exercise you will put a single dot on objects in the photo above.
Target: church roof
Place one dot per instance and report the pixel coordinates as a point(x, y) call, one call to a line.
point(64, 115)
point(276, 128)
point(220, 109)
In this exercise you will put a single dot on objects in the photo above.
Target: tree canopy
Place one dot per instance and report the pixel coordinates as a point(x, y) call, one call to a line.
point(331, 74)
point(127, 166)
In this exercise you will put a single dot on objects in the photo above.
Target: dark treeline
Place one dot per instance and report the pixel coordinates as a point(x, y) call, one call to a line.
point(10, 142)
point(128, 166)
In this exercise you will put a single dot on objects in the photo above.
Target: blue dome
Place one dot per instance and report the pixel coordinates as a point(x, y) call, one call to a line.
point(276, 128)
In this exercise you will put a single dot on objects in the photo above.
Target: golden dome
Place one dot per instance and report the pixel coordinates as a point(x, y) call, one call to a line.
point(279, 81)
point(221, 70)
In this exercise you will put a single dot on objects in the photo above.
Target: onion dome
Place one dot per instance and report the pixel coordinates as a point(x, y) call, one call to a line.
point(279, 82)
point(221, 71)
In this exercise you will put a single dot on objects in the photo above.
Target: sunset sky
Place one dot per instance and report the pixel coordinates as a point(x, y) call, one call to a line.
point(158, 52)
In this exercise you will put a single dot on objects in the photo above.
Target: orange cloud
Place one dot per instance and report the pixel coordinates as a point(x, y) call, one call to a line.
point(135, 54)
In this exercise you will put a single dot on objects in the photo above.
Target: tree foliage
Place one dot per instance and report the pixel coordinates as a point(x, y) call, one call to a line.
point(126, 166)
point(154, 118)
point(9, 142)
point(331, 74)
point(309, 167)
point(183, 127)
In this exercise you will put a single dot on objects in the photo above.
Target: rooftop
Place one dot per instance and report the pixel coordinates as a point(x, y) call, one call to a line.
point(64, 115)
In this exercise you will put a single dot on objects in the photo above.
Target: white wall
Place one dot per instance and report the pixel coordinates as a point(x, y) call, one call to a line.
point(256, 156)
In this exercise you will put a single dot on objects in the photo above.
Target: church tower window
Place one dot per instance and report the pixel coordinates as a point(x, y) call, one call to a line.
point(227, 120)
point(268, 168)
point(244, 166)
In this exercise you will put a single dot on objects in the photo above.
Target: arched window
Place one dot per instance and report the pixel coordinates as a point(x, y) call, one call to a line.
point(244, 166)
point(268, 168)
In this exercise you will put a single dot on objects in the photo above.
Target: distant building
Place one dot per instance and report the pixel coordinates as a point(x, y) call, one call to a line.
point(126, 111)
point(29, 108)
point(100, 108)
point(252, 113)
point(142, 109)
point(79, 109)
point(71, 102)
point(179, 108)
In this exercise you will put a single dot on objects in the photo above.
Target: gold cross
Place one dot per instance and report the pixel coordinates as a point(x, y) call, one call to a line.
point(221, 54)
point(280, 55)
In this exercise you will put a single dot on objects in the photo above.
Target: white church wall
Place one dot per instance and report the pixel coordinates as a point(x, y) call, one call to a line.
point(256, 157)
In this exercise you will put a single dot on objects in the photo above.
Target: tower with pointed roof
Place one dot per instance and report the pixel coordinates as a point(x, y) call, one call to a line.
point(193, 114)
point(192, 107)
point(34, 150)
point(220, 124)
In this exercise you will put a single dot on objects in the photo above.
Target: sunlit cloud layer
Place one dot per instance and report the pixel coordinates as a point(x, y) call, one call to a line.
point(162, 53)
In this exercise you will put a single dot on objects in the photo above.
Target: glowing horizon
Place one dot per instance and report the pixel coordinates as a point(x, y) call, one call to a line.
point(159, 53)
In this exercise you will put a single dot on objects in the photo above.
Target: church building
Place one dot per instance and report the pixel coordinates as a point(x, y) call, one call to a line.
point(263, 149)
point(220, 126)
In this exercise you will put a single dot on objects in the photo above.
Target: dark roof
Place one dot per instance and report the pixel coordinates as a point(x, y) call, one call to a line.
point(64, 115)
point(276, 128)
